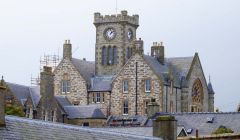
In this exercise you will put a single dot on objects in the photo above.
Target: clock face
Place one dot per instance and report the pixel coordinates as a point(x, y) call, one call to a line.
point(110, 33)
point(130, 34)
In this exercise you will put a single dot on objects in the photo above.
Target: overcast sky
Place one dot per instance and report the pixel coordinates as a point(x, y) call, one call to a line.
point(29, 29)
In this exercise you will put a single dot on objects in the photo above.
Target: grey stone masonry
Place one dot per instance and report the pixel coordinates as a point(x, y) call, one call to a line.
point(67, 50)
point(123, 17)
point(2, 103)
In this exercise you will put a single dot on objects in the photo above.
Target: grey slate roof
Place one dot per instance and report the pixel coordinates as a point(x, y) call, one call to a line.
point(20, 91)
point(35, 95)
point(62, 100)
point(25, 129)
point(210, 88)
point(101, 83)
point(179, 66)
point(85, 68)
point(84, 111)
point(199, 121)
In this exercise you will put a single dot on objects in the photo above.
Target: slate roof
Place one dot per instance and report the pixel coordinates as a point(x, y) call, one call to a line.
point(210, 88)
point(199, 121)
point(35, 95)
point(20, 91)
point(62, 100)
point(21, 128)
point(103, 83)
point(179, 66)
point(85, 68)
point(84, 111)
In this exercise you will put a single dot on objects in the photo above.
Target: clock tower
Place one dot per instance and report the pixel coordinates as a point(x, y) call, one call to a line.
point(115, 35)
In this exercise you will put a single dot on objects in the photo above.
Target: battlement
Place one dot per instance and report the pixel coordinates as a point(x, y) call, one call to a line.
point(123, 17)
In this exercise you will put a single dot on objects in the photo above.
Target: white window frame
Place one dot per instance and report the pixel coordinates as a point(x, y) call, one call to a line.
point(98, 97)
point(146, 86)
point(125, 89)
point(66, 86)
point(125, 107)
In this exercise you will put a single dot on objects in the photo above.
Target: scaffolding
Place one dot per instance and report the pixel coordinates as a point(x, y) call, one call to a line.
point(46, 60)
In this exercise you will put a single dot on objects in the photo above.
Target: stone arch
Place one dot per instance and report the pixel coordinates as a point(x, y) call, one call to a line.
point(197, 96)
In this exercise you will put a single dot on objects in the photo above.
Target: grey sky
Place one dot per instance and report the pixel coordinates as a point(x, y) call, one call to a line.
point(28, 29)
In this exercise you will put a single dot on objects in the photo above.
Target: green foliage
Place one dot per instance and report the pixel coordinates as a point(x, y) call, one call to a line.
point(223, 130)
point(13, 110)
point(165, 118)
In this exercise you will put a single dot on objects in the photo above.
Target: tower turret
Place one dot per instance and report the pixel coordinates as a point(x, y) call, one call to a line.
point(115, 35)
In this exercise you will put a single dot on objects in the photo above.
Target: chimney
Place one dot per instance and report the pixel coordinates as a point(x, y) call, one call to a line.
point(67, 50)
point(157, 51)
point(139, 46)
point(2, 103)
point(165, 127)
point(47, 83)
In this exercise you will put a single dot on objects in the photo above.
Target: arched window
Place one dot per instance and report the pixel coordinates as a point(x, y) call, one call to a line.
point(110, 55)
point(129, 52)
point(104, 55)
point(114, 55)
point(125, 107)
point(197, 96)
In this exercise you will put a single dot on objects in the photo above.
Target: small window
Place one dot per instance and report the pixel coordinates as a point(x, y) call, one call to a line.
point(147, 85)
point(171, 106)
point(146, 106)
point(93, 98)
point(110, 56)
point(125, 108)
point(125, 86)
point(52, 117)
point(43, 115)
point(210, 119)
point(189, 131)
point(98, 97)
point(103, 97)
point(86, 124)
point(65, 86)
point(114, 55)
point(104, 55)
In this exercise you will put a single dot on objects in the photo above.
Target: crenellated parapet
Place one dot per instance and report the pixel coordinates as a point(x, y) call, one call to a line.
point(123, 17)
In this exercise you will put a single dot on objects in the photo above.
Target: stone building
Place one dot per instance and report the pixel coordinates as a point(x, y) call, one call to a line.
point(121, 82)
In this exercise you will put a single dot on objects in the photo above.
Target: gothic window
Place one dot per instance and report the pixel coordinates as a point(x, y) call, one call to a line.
point(128, 53)
point(104, 55)
point(197, 96)
point(114, 55)
point(125, 107)
point(147, 85)
point(98, 97)
point(65, 86)
point(52, 116)
point(110, 56)
point(27, 112)
point(125, 86)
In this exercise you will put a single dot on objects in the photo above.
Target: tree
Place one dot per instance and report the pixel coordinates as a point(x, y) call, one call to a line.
point(223, 130)
point(13, 110)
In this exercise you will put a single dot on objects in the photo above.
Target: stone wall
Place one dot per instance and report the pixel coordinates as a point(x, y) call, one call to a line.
point(128, 72)
point(91, 122)
point(195, 73)
point(104, 101)
point(78, 90)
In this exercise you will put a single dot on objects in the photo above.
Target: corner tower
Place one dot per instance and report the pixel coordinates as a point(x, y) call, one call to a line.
point(115, 35)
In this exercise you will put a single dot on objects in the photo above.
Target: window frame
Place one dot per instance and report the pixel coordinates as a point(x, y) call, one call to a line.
point(127, 86)
point(125, 107)
point(147, 86)
point(66, 86)
point(98, 97)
